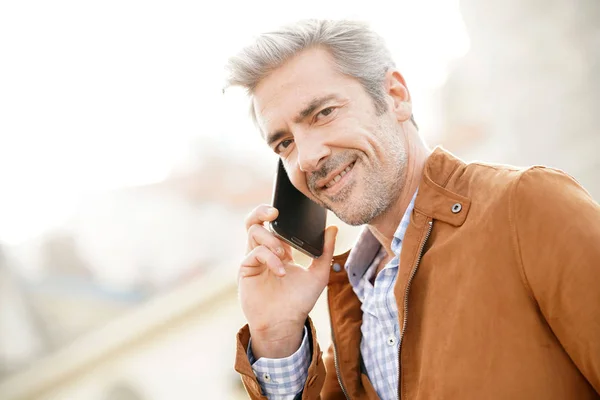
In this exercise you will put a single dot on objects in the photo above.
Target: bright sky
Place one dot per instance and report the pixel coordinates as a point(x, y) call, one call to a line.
point(99, 95)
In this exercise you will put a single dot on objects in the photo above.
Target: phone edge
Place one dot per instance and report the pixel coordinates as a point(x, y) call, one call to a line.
point(294, 245)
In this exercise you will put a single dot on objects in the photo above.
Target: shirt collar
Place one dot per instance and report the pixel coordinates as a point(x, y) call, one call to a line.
point(367, 246)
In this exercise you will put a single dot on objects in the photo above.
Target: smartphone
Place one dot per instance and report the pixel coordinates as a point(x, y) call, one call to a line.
point(301, 222)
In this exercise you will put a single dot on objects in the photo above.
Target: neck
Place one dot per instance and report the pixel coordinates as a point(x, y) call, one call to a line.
point(384, 225)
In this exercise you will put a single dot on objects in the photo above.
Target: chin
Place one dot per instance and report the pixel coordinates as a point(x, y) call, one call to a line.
point(360, 211)
point(351, 216)
point(354, 221)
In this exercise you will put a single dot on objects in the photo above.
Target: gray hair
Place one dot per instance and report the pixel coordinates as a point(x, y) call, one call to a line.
point(357, 51)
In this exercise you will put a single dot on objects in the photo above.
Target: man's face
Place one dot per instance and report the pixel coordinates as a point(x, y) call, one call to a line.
point(336, 149)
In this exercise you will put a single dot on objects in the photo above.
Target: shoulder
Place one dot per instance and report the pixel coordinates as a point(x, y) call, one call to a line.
point(528, 184)
point(545, 189)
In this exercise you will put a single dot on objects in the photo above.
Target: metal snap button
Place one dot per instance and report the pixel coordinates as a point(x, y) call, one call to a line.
point(337, 267)
point(456, 208)
point(267, 377)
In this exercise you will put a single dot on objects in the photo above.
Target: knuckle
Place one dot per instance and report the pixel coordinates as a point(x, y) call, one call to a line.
point(253, 230)
point(247, 220)
point(274, 243)
point(254, 217)
point(267, 254)
point(261, 250)
point(246, 261)
point(259, 211)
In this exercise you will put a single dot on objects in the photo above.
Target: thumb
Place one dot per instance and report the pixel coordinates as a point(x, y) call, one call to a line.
point(328, 248)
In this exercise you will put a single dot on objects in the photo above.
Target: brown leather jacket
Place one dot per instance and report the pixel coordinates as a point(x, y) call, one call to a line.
point(498, 293)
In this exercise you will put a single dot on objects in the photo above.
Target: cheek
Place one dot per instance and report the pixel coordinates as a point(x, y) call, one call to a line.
point(357, 133)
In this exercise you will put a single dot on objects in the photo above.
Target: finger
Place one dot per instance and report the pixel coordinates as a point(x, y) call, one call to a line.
point(258, 235)
point(260, 215)
point(322, 263)
point(259, 259)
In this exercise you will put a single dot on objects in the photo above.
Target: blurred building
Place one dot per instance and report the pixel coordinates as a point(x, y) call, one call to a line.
point(120, 251)
point(178, 345)
point(21, 333)
point(528, 91)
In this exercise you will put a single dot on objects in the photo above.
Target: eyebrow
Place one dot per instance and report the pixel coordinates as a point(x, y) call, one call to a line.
point(302, 115)
point(312, 106)
point(275, 136)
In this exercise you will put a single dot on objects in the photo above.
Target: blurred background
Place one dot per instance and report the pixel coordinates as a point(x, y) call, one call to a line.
point(126, 171)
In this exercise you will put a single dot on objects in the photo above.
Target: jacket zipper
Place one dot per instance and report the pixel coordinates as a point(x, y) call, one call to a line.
point(412, 275)
point(337, 367)
point(410, 279)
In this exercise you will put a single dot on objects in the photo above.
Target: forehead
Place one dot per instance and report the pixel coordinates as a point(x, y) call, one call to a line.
point(308, 75)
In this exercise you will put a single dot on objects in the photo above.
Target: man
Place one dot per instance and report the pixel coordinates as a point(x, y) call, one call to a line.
point(469, 281)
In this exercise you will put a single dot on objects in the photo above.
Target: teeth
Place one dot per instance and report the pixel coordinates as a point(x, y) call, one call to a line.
point(336, 178)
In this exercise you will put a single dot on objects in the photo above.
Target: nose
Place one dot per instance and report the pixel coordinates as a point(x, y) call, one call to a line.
point(310, 154)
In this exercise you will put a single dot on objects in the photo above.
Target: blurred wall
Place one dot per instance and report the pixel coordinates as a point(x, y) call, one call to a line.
point(528, 91)
point(179, 346)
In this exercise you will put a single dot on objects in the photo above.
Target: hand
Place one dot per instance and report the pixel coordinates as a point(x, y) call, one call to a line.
point(277, 294)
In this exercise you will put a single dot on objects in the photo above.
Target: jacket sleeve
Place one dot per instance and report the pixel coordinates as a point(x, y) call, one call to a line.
point(321, 383)
point(557, 231)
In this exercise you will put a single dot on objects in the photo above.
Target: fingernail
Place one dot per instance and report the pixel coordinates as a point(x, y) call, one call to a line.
point(271, 211)
point(280, 251)
point(282, 270)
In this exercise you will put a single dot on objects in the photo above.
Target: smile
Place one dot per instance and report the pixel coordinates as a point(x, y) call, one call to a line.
point(339, 176)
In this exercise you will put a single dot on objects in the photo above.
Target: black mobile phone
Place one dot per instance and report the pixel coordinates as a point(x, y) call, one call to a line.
point(301, 222)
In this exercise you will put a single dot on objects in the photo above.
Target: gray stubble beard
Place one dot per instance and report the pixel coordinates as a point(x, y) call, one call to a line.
point(380, 193)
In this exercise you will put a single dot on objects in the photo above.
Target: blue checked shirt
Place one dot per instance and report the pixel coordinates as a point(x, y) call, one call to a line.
point(284, 378)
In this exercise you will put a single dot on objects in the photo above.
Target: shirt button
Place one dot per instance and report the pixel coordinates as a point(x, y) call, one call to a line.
point(267, 377)
point(337, 267)
point(391, 340)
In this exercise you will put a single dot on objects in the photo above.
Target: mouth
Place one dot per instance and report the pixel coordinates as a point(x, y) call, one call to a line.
point(336, 180)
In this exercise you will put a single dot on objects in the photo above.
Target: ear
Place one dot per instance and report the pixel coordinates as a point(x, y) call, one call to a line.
point(397, 90)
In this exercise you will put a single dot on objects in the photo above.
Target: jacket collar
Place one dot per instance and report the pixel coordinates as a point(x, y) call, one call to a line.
point(433, 200)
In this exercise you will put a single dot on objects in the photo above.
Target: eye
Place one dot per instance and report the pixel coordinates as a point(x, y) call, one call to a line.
point(325, 112)
point(284, 144)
